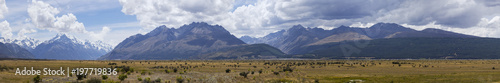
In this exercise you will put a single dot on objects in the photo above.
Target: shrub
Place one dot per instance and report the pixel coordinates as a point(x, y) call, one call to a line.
point(244, 74)
point(140, 79)
point(175, 70)
point(167, 71)
point(143, 72)
point(104, 77)
point(125, 68)
point(147, 79)
point(37, 79)
point(158, 80)
point(288, 69)
point(260, 71)
point(276, 73)
point(180, 79)
point(122, 77)
point(94, 80)
point(228, 70)
point(80, 77)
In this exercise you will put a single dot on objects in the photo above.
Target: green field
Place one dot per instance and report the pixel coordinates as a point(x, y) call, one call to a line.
point(292, 71)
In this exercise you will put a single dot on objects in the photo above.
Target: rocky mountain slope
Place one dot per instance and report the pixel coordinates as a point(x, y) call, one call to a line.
point(186, 42)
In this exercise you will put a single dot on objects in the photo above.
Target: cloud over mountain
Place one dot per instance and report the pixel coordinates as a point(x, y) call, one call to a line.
point(6, 31)
point(267, 16)
point(152, 13)
point(43, 16)
point(3, 8)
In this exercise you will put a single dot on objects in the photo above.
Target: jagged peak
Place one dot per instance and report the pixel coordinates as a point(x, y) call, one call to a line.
point(381, 24)
point(391, 26)
point(62, 36)
point(343, 27)
point(199, 23)
point(158, 30)
point(299, 26)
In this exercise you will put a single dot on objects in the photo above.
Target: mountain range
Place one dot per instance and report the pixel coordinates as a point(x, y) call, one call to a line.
point(61, 47)
point(188, 42)
point(200, 40)
point(293, 40)
point(27, 43)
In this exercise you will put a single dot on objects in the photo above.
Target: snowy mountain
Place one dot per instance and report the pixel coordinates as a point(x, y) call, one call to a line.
point(70, 48)
point(26, 43)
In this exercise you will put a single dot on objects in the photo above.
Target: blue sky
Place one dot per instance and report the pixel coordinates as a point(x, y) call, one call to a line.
point(112, 21)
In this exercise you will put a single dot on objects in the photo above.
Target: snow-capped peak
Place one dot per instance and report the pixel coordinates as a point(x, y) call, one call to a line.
point(63, 38)
point(27, 43)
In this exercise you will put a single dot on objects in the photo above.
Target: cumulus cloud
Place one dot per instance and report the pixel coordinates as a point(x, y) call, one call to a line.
point(22, 32)
point(5, 29)
point(153, 13)
point(267, 16)
point(453, 13)
point(43, 16)
point(3, 8)
point(100, 35)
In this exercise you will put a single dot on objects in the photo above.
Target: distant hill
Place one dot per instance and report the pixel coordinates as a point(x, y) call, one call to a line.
point(186, 42)
point(8, 50)
point(411, 48)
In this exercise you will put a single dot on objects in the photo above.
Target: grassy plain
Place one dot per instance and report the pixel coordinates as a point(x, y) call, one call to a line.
point(303, 71)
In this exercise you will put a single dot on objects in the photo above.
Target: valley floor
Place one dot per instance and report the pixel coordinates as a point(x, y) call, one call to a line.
point(301, 71)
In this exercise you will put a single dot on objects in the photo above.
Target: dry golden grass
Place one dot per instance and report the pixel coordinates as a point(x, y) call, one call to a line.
point(209, 71)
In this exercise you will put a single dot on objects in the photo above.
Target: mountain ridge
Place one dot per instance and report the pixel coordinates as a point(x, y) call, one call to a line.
point(186, 42)
point(293, 39)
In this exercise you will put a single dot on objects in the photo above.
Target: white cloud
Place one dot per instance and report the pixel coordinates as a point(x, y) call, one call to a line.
point(3, 8)
point(5, 29)
point(22, 32)
point(153, 13)
point(43, 17)
point(485, 28)
point(100, 36)
point(361, 25)
point(267, 16)
point(453, 13)
point(68, 23)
